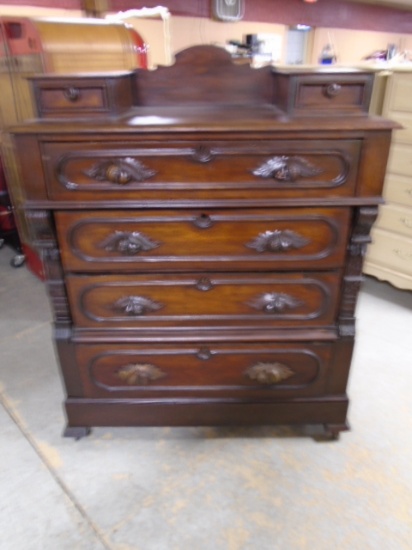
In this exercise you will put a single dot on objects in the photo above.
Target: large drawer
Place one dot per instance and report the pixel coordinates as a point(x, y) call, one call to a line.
point(150, 170)
point(206, 240)
point(266, 371)
point(216, 300)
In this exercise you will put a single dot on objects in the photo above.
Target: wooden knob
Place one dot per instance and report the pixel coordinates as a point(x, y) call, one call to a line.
point(333, 90)
point(72, 93)
point(204, 284)
point(204, 354)
point(203, 221)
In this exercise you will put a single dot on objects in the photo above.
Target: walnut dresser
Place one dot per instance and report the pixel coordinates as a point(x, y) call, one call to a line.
point(203, 227)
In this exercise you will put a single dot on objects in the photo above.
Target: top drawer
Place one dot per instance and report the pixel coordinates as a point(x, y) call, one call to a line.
point(331, 91)
point(153, 170)
point(85, 95)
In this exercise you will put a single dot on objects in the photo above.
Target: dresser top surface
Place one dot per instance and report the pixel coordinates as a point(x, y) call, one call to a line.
point(204, 118)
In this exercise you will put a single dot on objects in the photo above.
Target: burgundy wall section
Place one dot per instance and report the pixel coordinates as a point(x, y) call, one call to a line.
point(324, 13)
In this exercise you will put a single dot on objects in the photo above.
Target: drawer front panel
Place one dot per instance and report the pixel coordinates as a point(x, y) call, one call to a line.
point(71, 99)
point(400, 159)
point(395, 218)
point(391, 250)
point(203, 239)
point(144, 170)
point(398, 189)
point(216, 300)
point(324, 95)
point(266, 371)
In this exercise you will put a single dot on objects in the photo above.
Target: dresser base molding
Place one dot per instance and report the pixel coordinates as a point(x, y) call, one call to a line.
point(85, 413)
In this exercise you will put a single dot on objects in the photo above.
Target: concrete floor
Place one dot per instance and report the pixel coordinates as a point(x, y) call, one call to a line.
point(204, 488)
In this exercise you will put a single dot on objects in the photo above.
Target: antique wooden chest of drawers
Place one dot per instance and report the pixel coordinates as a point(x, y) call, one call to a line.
point(204, 247)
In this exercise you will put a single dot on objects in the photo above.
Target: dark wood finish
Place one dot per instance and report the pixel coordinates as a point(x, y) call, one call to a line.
point(204, 248)
point(136, 169)
point(333, 91)
point(208, 371)
point(221, 300)
point(82, 95)
point(203, 240)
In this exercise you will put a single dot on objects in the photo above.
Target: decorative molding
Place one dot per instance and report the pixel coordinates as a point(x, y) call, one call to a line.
point(278, 241)
point(40, 228)
point(120, 171)
point(287, 169)
point(275, 302)
point(139, 374)
point(352, 279)
point(136, 305)
point(269, 373)
point(128, 243)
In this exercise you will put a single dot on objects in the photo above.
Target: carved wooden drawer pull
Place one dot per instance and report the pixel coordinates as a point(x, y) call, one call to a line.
point(136, 305)
point(333, 90)
point(139, 374)
point(269, 373)
point(286, 169)
point(275, 302)
point(72, 93)
point(278, 241)
point(120, 171)
point(128, 243)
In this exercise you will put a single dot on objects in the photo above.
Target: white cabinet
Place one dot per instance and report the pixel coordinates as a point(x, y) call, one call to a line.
point(389, 256)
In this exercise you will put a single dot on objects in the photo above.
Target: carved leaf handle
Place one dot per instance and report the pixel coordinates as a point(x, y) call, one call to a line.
point(128, 243)
point(284, 168)
point(275, 302)
point(278, 241)
point(136, 305)
point(269, 373)
point(120, 171)
point(139, 374)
